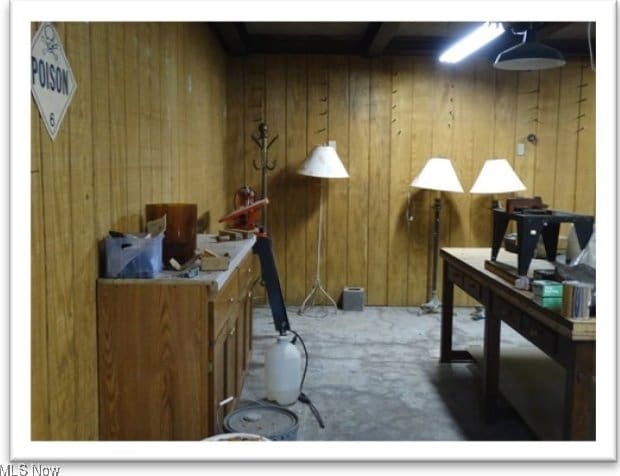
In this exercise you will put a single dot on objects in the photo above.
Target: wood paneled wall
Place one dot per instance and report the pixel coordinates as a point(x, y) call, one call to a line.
point(147, 124)
point(388, 116)
point(161, 115)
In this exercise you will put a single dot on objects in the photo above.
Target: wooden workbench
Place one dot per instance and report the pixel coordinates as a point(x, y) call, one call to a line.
point(570, 342)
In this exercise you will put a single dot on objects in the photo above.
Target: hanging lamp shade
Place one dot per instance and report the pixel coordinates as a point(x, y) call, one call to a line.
point(529, 55)
point(323, 162)
point(497, 176)
point(438, 174)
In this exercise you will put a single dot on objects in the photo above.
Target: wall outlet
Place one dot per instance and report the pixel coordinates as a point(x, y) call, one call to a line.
point(520, 148)
point(332, 143)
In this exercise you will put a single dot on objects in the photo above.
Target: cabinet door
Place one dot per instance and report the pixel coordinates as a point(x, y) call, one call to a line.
point(223, 375)
point(240, 353)
point(232, 381)
point(218, 385)
point(247, 316)
point(152, 354)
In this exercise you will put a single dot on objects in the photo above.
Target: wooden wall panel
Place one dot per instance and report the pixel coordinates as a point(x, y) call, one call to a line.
point(84, 242)
point(161, 114)
point(132, 127)
point(235, 131)
point(254, 107)
point(399, 179)
point(442, 121)
point(566, 149)
point(336, 216)
point(39, 403)
point(421, 136)
point(388, 117)
point(548, 108)
point(527, 123)
point(146, 124)
point(463, 109)
point(484, 114)
point(275, 115)
point(62, 360)
point(169, 109)
point(316, 134)
point(359, 133)
point(378, 180)
point(585, 171)
point(294, 277)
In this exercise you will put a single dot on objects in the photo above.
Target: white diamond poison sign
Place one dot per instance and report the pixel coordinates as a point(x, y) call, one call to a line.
point(52, 80)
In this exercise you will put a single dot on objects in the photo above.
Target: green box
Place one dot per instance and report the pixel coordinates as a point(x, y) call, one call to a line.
point(545, 288)
point(554, 303)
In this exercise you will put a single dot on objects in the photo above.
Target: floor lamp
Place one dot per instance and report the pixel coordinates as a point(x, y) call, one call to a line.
point(322, 163)
point(438, 174)
point(495, 177)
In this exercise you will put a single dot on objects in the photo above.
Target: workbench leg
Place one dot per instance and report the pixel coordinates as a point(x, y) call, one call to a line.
point(447, 302)
point(490, 364)
point(446, 353)
point(579, 393)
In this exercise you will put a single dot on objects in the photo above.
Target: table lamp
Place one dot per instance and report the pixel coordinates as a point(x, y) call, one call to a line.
point(438, 174)
point(323, 162)
point(497, 176)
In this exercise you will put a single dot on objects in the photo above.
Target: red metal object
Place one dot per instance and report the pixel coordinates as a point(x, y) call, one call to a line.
point(245, 217)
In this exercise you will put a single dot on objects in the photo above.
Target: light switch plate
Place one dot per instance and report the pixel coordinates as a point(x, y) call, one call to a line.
point(520, 148)
point(332, 143)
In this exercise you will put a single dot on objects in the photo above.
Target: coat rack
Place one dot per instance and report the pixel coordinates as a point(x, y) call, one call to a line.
point(263, 165)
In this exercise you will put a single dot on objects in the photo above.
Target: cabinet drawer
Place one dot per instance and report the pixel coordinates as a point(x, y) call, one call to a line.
point(506, 312)
point(539, 335)
point(248, 272)
point(472, 288)
point(225, 305)
point(455, 276)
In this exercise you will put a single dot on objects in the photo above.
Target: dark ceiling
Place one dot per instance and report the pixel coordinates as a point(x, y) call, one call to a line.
point(371, 39)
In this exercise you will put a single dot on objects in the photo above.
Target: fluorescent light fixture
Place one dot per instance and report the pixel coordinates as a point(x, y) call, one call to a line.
point(482, 35)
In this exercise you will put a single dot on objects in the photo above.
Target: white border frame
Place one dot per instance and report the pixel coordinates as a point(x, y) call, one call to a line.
point(23, 12)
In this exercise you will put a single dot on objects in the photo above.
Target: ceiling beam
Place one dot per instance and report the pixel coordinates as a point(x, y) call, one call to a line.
point(378, 36)
point(233, 36)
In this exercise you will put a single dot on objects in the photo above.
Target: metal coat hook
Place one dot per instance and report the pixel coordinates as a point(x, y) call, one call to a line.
point(263, 164)
point(263, 145)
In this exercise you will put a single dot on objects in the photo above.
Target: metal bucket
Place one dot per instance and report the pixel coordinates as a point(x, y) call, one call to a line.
point(274, 423)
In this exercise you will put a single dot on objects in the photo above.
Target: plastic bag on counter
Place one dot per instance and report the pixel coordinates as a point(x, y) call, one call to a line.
point(133, 256)
point(587, 256)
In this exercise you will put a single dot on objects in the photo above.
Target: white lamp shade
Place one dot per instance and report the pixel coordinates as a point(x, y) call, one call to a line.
point(323, 162)
point(497, 176)
point(438, 174)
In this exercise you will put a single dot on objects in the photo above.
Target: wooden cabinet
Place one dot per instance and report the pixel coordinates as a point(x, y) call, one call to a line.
point(170, 350)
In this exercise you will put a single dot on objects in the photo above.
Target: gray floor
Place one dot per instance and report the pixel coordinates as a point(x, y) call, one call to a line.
point(375, 376)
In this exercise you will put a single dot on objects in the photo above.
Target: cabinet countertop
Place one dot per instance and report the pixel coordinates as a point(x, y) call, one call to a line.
point(237, 251)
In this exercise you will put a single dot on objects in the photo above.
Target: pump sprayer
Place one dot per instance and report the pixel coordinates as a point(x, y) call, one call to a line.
point(283, 371)
point(283, 375)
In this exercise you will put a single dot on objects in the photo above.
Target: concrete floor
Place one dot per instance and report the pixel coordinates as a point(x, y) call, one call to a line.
point(375, 376)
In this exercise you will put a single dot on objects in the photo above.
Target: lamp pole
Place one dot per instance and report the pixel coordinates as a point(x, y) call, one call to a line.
point(317, 287)
point(433, 305)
